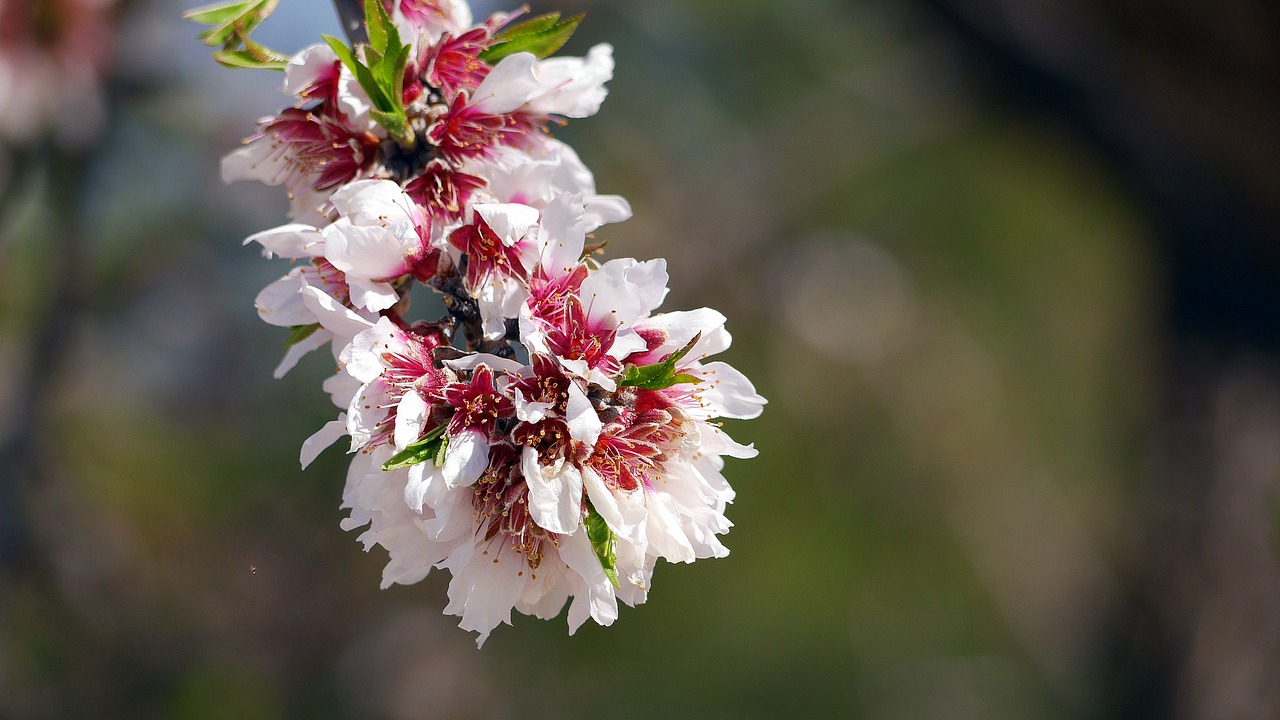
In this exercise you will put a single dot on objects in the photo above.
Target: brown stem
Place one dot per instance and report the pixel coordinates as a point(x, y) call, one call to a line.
point(351, 15)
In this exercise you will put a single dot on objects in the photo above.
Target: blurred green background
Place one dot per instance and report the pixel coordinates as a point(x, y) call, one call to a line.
point(1006, 277)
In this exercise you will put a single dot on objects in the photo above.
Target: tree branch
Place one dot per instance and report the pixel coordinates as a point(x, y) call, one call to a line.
point(21, 452)
point(351, 15)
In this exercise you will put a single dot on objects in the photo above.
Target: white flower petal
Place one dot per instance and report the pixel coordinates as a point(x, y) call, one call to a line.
point(366, 412)
point(666, 537)
point(717, 442)
point(544, 598)
point(305, 68)
point(411, 414)
point(293, 241)
point(562, 235)
point(341, 388)
point(622, 291)
point(624, 515)
point(366, 251)
point(255, 161)
point(425, 484)
point(323, 438)
point(362, 358)
point(573, 87)
point(495, 363)
point(555, 493)
point(530, 412)
point(483, 591)
point(370, 295)
point(372, 203)
point(453, 510)
point(509, 221)
point(681, 326)
point(280, 303)
point(626, 342)
point(298, 350)
point(581, 417)
point(508, 86)
point(465, 458)
point(354, 102)
point(603, 210)
point(727, 393)
point(593, 596)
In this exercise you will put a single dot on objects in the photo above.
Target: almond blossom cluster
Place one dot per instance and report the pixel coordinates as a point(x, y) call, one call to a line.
point(547, 434)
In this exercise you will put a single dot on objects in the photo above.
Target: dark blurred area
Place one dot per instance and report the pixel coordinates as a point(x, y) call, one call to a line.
point(1006, 271)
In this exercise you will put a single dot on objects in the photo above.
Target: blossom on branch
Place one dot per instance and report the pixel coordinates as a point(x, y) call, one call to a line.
point(547, 435)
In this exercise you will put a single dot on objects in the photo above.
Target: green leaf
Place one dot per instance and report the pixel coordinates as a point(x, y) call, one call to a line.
point(382, 78)
point(444, 445)
point(362, 73)
point(218, 13)
point(375, 18)
point(343, 52)
point(397, 74)
point(542, 42)
point(387, 67)
point(662, 375)
point(532, 25)
point(244, 59)
point(264, 54)
point(380, 68)
point(396, 123)
point(429, 448)
point(231, 21)
point(604, 542)
point(297, 333)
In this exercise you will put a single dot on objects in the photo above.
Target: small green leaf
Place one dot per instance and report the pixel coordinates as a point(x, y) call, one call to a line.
point(387, 68)
point(542, 43)
point(232, 20)
point(218, 13)
point(397, 74)
point(662, 375)
point(362, 73)
point(343, 52)
point(532, 25)
point(396, 123)
point(375, 17)
point(264, 54)
point(383, 79)
point(380, 68)
point(444, 445)
point(246, 59)
point(603, 542)
point(357, 69)
point(297, 333)
point(429, 448)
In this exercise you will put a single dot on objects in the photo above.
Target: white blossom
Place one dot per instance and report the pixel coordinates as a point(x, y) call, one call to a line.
point(552, 435)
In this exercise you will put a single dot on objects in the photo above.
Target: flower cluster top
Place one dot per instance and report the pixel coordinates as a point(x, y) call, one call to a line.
point(549, 436)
